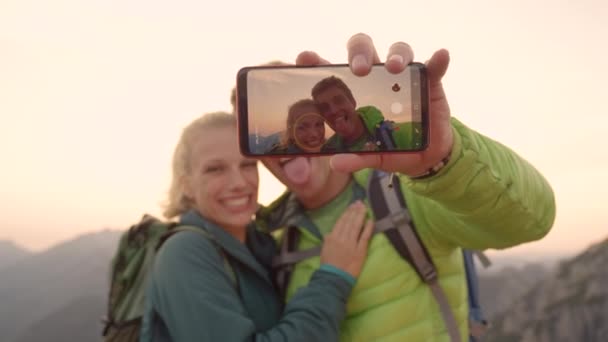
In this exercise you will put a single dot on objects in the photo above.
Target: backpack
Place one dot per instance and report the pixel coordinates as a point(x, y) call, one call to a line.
point(130, 269)
point(393, 219)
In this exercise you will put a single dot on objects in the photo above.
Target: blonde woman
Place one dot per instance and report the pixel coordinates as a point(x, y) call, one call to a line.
point(194, 296)
point(305, 129)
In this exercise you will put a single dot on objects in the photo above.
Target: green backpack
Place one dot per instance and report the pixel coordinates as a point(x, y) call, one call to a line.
point(130, 269)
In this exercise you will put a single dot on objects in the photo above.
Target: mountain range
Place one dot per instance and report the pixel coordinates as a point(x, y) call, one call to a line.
point(60, 294)
point(44, 289)
point(569, 304)
point(10, 253)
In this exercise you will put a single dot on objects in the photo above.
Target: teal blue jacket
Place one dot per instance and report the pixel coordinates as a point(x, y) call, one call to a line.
point(192, 297)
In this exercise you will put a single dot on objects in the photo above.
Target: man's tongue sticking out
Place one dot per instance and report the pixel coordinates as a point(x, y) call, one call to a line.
point(298, 170)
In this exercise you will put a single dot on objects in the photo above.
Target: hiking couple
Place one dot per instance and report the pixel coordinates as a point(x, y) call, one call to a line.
point(356, 272)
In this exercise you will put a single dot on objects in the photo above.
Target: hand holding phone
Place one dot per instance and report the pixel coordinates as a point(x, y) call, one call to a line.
point(361, 56)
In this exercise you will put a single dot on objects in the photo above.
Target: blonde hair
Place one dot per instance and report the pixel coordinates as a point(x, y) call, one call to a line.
point(177, 202)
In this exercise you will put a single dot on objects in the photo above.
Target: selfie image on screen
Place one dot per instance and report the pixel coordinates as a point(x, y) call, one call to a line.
point(329, 110)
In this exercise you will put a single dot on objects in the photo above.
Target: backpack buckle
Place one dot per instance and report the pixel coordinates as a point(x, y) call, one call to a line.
point(107, 323)
point(428, 274)
point(401, 218)
point(478, 329)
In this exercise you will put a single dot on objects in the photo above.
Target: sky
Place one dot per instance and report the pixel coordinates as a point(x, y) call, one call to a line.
point(94, 94)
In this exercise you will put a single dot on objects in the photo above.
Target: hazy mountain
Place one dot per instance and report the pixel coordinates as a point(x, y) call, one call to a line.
point(10, 253)
point(498, 290)
point(570, 304)
point(60, 294)
point(506, 263)
point(45, 283)
point(260, 143)
point(77, 321)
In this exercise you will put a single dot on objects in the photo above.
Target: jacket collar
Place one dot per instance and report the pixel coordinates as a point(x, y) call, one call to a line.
point(227, 242)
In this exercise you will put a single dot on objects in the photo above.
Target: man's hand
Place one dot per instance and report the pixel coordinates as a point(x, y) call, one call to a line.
point(361, 55)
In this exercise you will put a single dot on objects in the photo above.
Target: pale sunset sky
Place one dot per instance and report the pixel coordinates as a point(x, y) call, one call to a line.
point(94, 94)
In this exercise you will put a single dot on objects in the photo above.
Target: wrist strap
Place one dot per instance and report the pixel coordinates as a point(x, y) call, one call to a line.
point(435, 169)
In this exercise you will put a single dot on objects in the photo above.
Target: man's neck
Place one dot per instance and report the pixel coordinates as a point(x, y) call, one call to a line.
point(360, 131)
point(336, 183)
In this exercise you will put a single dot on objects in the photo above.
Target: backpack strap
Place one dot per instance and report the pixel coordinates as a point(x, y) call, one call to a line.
point(282, 268)
point(203, 232)
point(477, 323)
point(482, 257)
point(384, 135)
point(289, 255)
point(393, 218)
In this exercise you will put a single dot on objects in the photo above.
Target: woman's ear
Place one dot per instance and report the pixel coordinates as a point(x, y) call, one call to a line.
point(186, 187)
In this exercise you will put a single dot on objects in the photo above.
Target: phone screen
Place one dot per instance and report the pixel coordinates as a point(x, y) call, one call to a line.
point(321, 110)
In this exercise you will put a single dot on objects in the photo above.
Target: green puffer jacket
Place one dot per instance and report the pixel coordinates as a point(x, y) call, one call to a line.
point(486, 197)
point(406, 135)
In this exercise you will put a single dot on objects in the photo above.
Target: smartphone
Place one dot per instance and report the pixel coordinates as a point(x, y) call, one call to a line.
point(325, 110)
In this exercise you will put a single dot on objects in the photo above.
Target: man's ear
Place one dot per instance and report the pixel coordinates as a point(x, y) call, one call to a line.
point(233, 100)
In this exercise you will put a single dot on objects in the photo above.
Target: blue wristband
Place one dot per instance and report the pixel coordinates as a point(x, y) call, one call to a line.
point(339, 272)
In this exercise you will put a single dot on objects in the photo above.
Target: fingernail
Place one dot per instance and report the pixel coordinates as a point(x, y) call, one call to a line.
point(396, 59)
point(359, 61)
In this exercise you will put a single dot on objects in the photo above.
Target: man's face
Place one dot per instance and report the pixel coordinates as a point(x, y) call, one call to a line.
point(306, 177)
point(339, 112)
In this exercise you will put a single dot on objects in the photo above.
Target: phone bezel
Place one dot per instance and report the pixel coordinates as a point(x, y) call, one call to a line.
point(243, 114)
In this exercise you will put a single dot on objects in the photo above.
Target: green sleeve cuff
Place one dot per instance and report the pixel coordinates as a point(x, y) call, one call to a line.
point(341, 273)
point(448, 174)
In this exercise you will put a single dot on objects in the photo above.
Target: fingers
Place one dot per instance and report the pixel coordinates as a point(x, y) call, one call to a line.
point(310, 58)
point(348, 163)
point(345, 227)
point(346, 246)
point(437, 66)
point(341, 224)
point(353, 231)
point(400, 54)
point(276, 63)
point(361, 54)
point(366, 234)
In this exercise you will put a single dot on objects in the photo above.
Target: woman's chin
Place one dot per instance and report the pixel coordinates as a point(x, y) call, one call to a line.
point(237, 221)
point(314, 146)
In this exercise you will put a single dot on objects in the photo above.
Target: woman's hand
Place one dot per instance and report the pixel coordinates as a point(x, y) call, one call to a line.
point(346, 246)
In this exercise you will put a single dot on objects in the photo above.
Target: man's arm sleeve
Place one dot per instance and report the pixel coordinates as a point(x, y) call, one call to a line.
point(486, 197)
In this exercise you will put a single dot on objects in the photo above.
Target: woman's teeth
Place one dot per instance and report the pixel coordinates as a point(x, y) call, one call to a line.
point(236, 202)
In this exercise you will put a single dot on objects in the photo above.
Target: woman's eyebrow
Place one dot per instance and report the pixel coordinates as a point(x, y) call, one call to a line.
point(213, 161)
